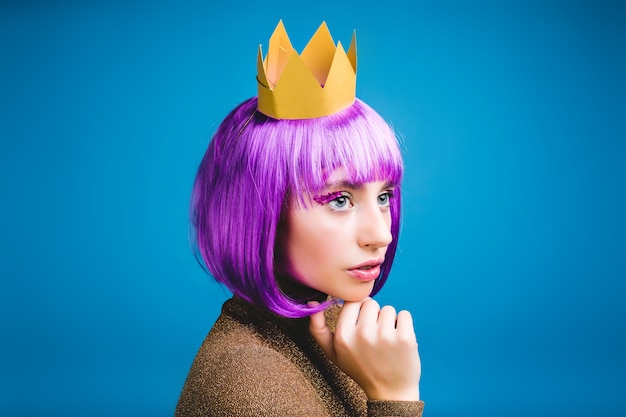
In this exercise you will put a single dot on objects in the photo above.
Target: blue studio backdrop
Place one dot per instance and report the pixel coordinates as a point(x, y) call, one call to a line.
point(512, 255)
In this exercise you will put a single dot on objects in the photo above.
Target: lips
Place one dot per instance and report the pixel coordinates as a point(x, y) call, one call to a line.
point(367, 271)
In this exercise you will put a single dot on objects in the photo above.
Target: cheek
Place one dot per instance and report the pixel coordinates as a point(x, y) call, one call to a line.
point(312, 247)
point(312, 244)
point(299, 245)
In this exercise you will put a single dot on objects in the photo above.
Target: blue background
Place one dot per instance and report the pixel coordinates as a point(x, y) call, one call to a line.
point(513, 250)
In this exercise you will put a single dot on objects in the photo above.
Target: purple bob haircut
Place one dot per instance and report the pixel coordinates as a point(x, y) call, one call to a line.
point(254, 166)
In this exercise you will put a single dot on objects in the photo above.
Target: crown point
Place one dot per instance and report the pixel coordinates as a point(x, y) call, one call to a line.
point(278, 53)
point(352, 51)
point(341, 76)
point(260, 69)
point(318, 53)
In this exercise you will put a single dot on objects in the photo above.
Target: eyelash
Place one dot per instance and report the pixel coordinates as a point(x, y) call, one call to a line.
point(342, 196)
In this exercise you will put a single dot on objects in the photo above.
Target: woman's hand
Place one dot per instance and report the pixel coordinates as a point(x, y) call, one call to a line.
point(375, 347)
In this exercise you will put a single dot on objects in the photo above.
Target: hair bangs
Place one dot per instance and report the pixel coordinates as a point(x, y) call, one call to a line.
point(356, 140)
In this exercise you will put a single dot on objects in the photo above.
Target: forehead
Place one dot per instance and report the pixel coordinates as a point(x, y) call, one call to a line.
point(343, 177)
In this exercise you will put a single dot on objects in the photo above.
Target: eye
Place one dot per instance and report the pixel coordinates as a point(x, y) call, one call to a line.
point(384, 199)
point(341, 202)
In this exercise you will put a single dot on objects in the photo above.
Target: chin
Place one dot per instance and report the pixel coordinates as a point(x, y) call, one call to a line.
point(354, 296)
point(353, 299)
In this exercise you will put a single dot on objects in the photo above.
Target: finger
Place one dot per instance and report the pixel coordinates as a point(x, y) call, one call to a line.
point(368, 315)
point(404, 325)
point(322, 334)
point(348, 317)
point(387, 319)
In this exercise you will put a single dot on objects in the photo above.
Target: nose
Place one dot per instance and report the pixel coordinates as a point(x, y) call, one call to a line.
point(374, 227)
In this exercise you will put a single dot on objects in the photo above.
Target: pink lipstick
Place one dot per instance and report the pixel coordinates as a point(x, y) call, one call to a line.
point(367, 271)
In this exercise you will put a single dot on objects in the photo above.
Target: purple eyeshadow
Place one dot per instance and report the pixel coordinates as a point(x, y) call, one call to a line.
point(323, 199)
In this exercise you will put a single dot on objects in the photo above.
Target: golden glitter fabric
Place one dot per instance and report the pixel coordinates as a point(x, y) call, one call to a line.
point(255, 363)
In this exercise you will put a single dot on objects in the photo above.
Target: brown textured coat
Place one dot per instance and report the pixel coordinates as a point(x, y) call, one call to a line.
point(255, 363)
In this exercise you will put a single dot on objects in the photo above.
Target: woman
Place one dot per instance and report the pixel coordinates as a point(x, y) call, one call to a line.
point(296, 209)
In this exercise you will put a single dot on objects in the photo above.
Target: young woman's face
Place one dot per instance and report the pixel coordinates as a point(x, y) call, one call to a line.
point(337, 243)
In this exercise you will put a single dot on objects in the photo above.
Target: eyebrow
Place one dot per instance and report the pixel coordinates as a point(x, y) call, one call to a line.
point(355, 186)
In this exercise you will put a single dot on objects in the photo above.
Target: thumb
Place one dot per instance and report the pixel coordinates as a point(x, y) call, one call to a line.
point(321, 333)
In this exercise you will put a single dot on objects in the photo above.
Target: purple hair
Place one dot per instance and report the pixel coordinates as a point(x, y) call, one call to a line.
point(252, 168)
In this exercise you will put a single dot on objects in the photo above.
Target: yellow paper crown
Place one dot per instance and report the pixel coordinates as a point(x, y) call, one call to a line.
point(318, 82)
